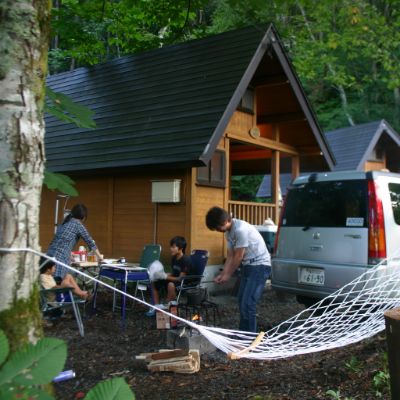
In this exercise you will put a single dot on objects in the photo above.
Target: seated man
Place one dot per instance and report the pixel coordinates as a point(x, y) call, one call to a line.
point(47, 280)
point(181, 265)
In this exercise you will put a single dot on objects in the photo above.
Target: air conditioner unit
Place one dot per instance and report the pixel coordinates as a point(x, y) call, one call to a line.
point(166, 191)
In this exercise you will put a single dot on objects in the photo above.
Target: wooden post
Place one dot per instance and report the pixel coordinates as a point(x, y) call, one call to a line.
point(275, 174)
point(392, 322)
point(295, 166)
point(275, 171)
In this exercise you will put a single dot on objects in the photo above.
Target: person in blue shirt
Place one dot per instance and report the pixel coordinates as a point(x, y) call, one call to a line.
point(67, 236)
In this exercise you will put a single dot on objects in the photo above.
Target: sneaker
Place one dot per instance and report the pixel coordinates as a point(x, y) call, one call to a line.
point(151, 313)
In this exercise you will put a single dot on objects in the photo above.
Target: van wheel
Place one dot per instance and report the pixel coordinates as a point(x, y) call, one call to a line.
point(307, 301)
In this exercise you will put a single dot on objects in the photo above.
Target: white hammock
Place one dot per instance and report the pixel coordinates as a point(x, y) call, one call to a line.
point(351, 314)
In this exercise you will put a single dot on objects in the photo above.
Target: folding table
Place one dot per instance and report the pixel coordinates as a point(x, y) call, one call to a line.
point(123, 273)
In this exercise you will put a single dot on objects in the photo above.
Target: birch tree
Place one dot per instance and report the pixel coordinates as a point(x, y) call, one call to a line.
point(24, 31)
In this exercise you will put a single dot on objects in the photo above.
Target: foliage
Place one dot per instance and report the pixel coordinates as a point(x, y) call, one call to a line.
point(30, 367)
point(60, 182)
point(244, 187)
point(113, 389)
point(336, 395)
point(346, 52)
point(24, 372)
point(63, 108)
point(381, 380)
point(353, 365)
point(92, 31)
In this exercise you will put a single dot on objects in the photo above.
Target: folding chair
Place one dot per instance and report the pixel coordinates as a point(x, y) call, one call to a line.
point(199, 261)
point(54, 308)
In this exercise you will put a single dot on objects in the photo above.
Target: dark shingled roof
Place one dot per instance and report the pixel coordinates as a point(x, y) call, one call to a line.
point(352, 145)
point(168, 106)
point(157, 107)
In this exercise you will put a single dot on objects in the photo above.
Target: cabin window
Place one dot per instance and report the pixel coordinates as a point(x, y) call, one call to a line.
point(213, 174)
point(247, 101)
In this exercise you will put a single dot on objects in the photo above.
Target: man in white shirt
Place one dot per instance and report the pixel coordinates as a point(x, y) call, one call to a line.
point(247, 250)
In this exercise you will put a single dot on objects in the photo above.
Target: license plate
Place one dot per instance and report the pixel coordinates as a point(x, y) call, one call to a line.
point(312, 276)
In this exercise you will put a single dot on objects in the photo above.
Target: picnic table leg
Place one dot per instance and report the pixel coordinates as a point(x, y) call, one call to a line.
point(123, 304)
point(392, 321)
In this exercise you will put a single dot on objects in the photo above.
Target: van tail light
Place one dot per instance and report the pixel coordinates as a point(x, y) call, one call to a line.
point(376, 237)
point(279, 225)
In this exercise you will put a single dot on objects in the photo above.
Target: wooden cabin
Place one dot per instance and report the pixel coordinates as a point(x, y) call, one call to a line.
point(372, 146)
point(179, 122)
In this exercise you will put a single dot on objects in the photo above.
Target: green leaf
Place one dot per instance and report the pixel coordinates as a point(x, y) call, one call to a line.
point(9, 392)
point(60, 182)
point(115, 388)
point(35, 364)
point(4, 347)
point(62, 107)
point(35, 393)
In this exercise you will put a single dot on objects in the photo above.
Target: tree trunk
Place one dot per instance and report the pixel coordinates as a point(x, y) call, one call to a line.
point(24, 33)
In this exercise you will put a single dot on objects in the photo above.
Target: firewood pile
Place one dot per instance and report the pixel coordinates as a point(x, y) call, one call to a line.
point(179, 360)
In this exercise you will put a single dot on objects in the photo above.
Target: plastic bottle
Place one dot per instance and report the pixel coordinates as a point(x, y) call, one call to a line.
point(64, 376)
point(83, 253)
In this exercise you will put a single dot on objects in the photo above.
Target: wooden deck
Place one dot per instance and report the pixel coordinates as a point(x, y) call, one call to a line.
point(253, 213)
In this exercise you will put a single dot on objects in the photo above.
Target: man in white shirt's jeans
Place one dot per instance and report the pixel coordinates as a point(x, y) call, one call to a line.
point(247, 250)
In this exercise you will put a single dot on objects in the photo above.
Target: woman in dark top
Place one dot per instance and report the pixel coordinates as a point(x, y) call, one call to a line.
point(67, 236)
point(181, 265)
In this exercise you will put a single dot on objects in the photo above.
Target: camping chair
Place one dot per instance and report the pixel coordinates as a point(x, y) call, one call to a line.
point(53, 309)
point(199, 261)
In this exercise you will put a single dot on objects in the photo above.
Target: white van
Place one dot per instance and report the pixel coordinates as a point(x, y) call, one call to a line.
point(334, 226)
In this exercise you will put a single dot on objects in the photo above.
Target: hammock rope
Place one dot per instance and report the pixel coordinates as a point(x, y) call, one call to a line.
point(349, 315)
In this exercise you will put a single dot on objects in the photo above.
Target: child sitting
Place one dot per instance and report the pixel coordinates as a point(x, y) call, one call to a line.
point(47, 280)
point(181, 265)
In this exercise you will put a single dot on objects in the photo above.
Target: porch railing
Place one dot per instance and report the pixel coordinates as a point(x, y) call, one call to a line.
point(253, 213)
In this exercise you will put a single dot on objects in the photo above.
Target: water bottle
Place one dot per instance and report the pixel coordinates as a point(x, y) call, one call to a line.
point(64, 376)
point(83, 253)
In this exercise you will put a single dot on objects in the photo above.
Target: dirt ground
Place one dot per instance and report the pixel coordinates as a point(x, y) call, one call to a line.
point(107, 351)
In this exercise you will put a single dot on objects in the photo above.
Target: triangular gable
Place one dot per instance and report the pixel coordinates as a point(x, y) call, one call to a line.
point(271, 40)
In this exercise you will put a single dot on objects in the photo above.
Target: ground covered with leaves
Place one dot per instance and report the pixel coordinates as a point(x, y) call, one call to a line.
point(107, 351)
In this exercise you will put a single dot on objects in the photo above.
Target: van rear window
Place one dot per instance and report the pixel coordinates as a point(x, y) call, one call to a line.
point(327, 204)
point(394, 190)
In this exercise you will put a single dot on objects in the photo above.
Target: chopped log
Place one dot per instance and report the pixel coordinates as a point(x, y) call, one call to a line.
point(392, 322)
point(178, 360)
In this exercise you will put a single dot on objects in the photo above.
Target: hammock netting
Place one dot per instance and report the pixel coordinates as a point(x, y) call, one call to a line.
point(349, 315)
